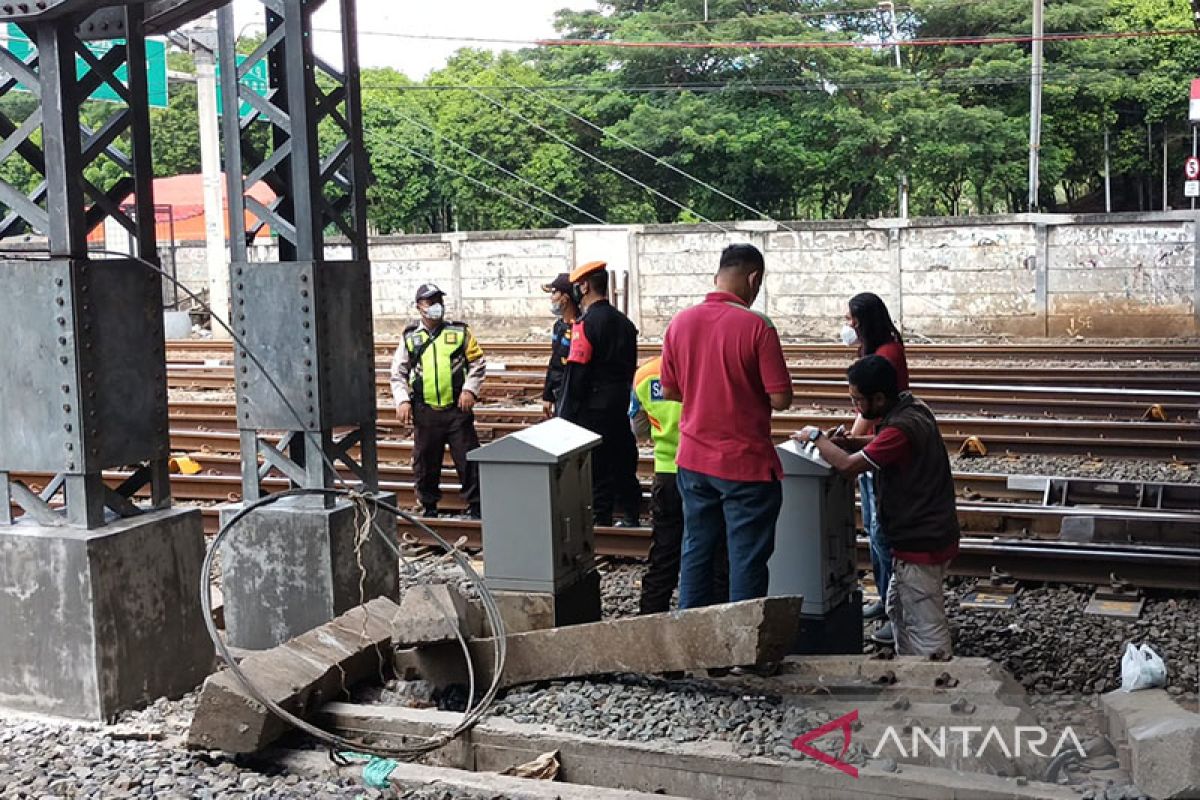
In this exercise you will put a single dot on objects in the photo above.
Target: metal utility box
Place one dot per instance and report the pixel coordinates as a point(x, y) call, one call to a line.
point(815, 552)
point(536, 498)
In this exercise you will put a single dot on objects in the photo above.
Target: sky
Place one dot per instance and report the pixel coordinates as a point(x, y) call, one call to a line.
point(521, 19)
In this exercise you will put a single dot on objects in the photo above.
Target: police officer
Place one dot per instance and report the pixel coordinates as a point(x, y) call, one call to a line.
point(596, 386)
point(562, 304)
point(437, 374)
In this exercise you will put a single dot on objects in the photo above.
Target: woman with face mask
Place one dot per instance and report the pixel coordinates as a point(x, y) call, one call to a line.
point(870, 329)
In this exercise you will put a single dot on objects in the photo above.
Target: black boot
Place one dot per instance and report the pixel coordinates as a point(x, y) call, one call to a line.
point(430, 511)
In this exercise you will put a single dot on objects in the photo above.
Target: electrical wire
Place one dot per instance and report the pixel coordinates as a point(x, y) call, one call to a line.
point(474, 712)
point(493, 164)
point(945, 41)
point(597, 159)
point(822, 85)
point(483, 184)
point(940, 41)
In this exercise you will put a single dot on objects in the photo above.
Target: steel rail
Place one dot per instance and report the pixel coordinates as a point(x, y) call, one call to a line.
point(1166, 351)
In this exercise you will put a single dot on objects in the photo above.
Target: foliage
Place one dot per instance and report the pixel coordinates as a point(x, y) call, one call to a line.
point(789, 133)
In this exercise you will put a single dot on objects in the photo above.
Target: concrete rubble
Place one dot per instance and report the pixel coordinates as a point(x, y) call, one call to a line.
point(1157, 740)
point(701, 770)
point(300, 675)
point(736, 634)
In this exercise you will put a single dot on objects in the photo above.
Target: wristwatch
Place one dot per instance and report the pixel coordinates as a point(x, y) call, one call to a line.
point(814, 435)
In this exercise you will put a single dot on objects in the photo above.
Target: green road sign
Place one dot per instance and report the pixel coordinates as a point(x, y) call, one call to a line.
point(156, 65)
point(257, 79)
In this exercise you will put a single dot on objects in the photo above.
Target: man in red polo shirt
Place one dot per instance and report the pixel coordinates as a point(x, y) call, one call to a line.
point(916, 500)
point(724, 362)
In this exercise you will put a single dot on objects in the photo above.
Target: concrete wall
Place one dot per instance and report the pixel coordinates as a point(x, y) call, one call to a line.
point(1021, 275)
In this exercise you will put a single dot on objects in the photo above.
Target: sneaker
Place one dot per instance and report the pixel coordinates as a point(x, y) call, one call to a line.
point(628, 522)
point(429, 511)
point(474, 513)
point(874, 610)
point(884, 635)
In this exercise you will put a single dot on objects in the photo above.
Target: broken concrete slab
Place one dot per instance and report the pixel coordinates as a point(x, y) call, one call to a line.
point(703, 771)
point(1163, 740)
point(299, 675)
point(434, 614)
point(917, 678)
point(748, 632)
point(525, 611)
point(424, 779)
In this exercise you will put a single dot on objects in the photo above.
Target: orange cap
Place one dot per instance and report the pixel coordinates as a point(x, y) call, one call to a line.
point(583, 270)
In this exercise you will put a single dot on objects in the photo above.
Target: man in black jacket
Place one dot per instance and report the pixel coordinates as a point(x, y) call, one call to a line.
point(562, 304)
point(595, 393)
point(916, 499)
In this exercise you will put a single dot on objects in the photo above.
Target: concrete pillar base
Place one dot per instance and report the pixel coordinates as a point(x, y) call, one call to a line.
point(294, 565)
point(95, 622)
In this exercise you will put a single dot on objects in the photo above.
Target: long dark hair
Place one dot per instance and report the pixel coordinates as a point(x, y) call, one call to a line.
point(875, 326)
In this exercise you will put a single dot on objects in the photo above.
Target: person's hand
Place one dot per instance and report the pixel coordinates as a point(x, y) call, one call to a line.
point(466, 401)
point(804, 433)
point(838, 436)
point(404, 413)
point(547, 409)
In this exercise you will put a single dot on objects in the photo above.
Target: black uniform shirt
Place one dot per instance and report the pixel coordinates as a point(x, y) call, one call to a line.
point(600, 368)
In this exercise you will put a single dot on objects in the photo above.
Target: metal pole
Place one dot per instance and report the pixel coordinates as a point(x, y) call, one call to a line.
point(902, 190)
point(1107, 176)
point(210, 168)
point(1164, 168)
point(1035, 105)
point(706, 10)
point(1193, 156)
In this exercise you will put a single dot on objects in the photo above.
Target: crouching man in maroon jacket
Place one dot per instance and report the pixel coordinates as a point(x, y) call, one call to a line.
point(915, 499)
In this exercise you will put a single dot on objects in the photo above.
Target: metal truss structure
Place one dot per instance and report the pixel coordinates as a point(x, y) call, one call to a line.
point(85, 385)
point(308, 316)
point(84, 361)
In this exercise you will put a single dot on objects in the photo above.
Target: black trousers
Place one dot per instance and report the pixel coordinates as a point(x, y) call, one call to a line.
point(433, 429)
point(615, 485)
point(666, 545)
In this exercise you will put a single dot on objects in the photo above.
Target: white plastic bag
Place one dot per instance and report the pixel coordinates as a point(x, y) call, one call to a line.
point(1141, 668)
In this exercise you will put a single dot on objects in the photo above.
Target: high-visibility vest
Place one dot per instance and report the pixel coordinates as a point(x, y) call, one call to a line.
point(438, 375)
point(663, 414)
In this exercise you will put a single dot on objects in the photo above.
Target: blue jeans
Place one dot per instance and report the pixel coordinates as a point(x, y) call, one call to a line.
point(881, 553)
point(745, 513)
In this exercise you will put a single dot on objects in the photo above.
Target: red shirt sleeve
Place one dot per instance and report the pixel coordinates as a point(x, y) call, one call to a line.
point(889, 448)
point(667, 376)
point(772, 366)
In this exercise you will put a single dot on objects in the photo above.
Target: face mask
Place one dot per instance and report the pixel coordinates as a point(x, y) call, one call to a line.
point(556, 309)
point(435, 311)
point(849, 336)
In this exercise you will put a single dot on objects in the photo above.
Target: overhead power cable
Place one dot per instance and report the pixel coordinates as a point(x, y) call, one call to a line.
point(942, 41)
point(483, 184)
point(494, 165)
point(946, 41)
point(597, 159)
point(626, 143)
point(824, 85)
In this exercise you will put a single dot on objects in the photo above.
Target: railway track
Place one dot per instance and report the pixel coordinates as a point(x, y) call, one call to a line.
point(1036, 401)
point(1032, 351)
point(200, 376)
point(212, 426)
